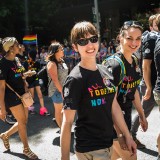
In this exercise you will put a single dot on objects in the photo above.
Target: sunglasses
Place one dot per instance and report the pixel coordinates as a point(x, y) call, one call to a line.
point(85, 41)
point(130, 23)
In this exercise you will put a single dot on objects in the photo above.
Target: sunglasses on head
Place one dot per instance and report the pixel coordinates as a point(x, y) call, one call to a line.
point(85, 41)
point(130, 23)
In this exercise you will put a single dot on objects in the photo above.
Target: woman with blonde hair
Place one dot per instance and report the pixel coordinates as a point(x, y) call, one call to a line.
point(11, 72)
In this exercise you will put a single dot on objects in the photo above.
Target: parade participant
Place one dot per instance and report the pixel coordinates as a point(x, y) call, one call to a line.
point(89, 94)
point(57, 71)
point(149, 76)
point(33, 82)
point(130, 41)
point(11, 72)
point(43, 56)
point(156, 90)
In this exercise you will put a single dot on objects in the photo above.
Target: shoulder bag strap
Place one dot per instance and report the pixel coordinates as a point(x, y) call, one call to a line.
point(13, 90)
point(50, 79)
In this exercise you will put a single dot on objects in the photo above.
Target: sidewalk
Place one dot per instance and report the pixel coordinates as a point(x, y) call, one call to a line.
point(44, 138)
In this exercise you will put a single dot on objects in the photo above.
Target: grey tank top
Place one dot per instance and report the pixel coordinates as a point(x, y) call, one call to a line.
point(62, 75)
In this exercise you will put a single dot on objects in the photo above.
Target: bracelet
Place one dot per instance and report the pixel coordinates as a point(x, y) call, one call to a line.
point(120, 135)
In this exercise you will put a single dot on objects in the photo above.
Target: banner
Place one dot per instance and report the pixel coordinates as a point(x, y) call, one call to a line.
point(30, 39)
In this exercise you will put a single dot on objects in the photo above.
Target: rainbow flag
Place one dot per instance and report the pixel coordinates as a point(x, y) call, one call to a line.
point(30, 39)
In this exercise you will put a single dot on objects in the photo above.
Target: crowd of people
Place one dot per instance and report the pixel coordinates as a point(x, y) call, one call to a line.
point(93, 84)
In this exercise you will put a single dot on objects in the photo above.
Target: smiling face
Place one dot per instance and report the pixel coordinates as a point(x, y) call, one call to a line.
point(130, 41)
point(84, 39)
point(89, 50)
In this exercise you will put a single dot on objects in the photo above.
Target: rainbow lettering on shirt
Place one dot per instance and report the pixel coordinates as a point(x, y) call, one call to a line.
point(18, 71)
point(97, 94)
point(128, 84)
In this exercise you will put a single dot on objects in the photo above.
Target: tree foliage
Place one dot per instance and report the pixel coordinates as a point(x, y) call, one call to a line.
point(40, 16)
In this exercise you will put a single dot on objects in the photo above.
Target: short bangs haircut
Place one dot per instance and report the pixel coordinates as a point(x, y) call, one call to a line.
point(81, 30)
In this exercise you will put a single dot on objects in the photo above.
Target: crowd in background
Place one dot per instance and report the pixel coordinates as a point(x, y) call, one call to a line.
point(87, 53)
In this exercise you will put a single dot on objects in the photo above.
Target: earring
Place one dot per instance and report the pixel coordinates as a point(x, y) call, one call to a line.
point(12, 52)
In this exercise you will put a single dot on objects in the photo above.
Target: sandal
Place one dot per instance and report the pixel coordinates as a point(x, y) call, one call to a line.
point(28, 153)
point(5, 140)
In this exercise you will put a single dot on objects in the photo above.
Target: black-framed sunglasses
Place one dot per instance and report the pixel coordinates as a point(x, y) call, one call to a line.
point(130, 23)
point(85, 41)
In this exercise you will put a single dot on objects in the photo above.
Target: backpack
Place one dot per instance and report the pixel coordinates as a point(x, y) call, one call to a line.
point(44, 80)
point(123, 69)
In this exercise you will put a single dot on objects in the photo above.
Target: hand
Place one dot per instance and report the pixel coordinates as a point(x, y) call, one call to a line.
point(3, 114)
point(147, 94)
point(29, 73)
point(131, 145)
point(122, 143)
point(143, 122)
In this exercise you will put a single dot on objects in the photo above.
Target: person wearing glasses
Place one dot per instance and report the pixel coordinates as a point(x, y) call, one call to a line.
point(149, 76)
point(130, 41)
point(11, 72)
point(90, 94)
point(156, 91)
point(57, 71)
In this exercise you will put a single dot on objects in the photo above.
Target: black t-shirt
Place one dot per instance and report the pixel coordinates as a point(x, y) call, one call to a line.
point(157, 64)
point(148, 46)
point(130, 81)
point(12, 74)
point(33, 66)
point(85, 92)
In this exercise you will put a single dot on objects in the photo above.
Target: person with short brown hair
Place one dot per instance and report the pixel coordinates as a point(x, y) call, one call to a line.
point(90, 94)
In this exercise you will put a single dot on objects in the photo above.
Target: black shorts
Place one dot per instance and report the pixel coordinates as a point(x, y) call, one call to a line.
point(34, 84)
point(11, 99)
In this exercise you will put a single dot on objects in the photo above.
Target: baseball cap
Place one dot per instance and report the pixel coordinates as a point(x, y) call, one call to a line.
point(8, 42)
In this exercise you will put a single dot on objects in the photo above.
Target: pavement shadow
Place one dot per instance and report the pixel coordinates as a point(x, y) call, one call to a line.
point(56, 142)
point(36, 123)
point(20, 155)
point(149, 151)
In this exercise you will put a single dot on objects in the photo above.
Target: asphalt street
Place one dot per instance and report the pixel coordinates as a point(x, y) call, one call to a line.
point(44, 138)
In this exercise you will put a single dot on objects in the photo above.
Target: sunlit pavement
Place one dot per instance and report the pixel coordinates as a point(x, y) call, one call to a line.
point(44, 138)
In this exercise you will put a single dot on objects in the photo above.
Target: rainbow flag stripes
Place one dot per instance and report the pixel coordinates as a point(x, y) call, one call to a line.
point(30, 39)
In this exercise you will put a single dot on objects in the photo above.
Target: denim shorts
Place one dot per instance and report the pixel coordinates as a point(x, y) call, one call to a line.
point(57, 97)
